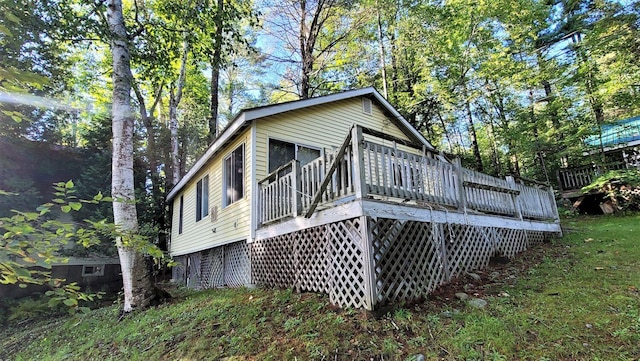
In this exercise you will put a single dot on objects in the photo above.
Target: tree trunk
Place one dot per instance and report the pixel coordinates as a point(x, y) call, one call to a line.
point(383, 64)
point(216, 63)
point(138, 289)
point(175, 97)
point(306, 56)
point(472, 133)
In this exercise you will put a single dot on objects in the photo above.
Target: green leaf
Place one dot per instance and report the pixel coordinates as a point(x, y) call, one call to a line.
point(75, 205)
point(66, 208)
point(70, 302)
point(22, 285)
point(69, 184)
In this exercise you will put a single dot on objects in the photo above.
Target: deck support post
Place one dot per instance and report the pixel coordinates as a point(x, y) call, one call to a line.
point(369, 264)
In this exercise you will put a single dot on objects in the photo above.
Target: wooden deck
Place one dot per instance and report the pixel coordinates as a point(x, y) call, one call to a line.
point(396, 173)
point(382, 220)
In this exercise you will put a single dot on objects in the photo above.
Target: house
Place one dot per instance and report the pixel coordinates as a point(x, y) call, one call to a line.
point(617, 146)
point(341, 195)
point(94, 273)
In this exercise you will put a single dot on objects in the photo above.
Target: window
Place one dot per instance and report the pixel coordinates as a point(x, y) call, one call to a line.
point(202, 198)
point(180, 214)
point(281, 153)
point(234, 176)
point(93, 270)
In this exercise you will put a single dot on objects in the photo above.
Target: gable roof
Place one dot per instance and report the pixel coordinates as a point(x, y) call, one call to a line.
point(246, 116)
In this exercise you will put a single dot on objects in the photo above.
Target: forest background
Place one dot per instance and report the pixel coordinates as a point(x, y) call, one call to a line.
point(511, 87)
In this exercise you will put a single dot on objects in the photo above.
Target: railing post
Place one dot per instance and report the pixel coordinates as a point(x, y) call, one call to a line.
point(462, 196)
point(359, 180)
point(259, 203)
point(296, 188)
point(554, 207)
point(518, 208)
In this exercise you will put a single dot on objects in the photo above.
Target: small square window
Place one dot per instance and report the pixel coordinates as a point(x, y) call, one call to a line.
point(93, 270)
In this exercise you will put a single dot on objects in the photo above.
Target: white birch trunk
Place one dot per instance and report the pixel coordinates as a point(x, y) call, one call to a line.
point(137, 284)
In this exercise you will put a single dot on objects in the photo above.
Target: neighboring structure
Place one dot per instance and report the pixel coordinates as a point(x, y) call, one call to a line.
point(91, 273)
point(619, 143)
point(339, 194)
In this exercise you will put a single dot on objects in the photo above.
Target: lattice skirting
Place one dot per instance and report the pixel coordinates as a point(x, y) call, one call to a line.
point(328, 258)
point(367, 262)
point(413, 258)
point(226, 265)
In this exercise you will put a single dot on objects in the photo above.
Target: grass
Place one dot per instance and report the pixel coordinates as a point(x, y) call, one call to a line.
point(575, 299)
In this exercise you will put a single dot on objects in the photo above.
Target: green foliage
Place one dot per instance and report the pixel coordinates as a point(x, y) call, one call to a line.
point(33, 241)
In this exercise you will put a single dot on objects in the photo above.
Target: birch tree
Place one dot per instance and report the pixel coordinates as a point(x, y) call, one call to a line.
point(138, 289)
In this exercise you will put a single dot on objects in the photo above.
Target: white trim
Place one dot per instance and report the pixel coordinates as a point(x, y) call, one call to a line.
point(260, 112)
point(380, 209)
point(254, 183)
point(208, 246)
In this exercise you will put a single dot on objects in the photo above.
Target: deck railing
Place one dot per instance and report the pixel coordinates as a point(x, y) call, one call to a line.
point(397, 172)
point(578, 177)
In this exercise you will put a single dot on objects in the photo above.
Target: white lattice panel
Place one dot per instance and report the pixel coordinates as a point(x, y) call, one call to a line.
point(408, 259)
point(511, 241)
point(237, 267)
point(328, 258)
point(193, 270)
point(212, 268)
point(312, 260)
point(536, 237)
point(348, 286)
point(272, 262)
point(468, 248)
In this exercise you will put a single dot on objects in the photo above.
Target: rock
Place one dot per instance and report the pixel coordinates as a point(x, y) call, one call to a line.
point(462, 296)
point(503, 294)
point(477, 303)
point(419, 357)
point(475, 276)
point(446, 314)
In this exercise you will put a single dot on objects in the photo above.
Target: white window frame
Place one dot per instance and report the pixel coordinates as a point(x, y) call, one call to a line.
point(225, 185)
point(295, 149)
point(202, 198)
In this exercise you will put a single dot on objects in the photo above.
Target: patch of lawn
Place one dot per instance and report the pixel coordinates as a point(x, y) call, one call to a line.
point(574, 299)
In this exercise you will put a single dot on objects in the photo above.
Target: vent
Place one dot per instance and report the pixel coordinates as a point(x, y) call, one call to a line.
point(366, 105)
point(214, 214)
